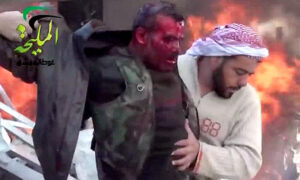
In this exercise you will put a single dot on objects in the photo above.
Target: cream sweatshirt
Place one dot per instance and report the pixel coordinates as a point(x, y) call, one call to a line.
point(230, 129)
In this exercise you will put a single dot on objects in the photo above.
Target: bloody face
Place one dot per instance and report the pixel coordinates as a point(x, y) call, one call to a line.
point(163, 44)
point(233, 74)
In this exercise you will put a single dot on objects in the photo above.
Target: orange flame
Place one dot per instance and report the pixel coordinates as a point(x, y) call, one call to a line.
point(272, 77)
point(199, 26)
point(22, 95)
point(232, 12)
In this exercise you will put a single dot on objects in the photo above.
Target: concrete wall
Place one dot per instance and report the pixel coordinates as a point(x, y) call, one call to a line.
point(119, 14)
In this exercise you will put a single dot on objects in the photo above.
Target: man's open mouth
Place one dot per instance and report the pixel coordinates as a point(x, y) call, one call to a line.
point(171, 61)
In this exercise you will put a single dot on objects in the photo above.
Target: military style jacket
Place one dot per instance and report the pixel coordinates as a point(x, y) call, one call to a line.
point(120, 103)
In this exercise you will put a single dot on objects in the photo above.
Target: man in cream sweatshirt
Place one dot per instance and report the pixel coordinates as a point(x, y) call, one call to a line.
point(215, 71)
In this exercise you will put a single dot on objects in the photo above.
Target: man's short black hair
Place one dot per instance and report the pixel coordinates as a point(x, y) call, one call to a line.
point(146, 15)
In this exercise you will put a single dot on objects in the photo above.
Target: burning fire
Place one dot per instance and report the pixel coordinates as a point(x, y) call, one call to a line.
point(22, 95)
point(199, 26)
point(275, 76)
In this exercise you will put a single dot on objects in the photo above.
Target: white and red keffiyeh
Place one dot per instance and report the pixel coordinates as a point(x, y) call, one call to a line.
point(229, 40)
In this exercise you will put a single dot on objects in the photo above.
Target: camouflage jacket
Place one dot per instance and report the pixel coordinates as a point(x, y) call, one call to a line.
point(123, 126)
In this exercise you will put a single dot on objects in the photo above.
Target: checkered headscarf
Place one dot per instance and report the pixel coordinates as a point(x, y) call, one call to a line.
point(229, 40)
